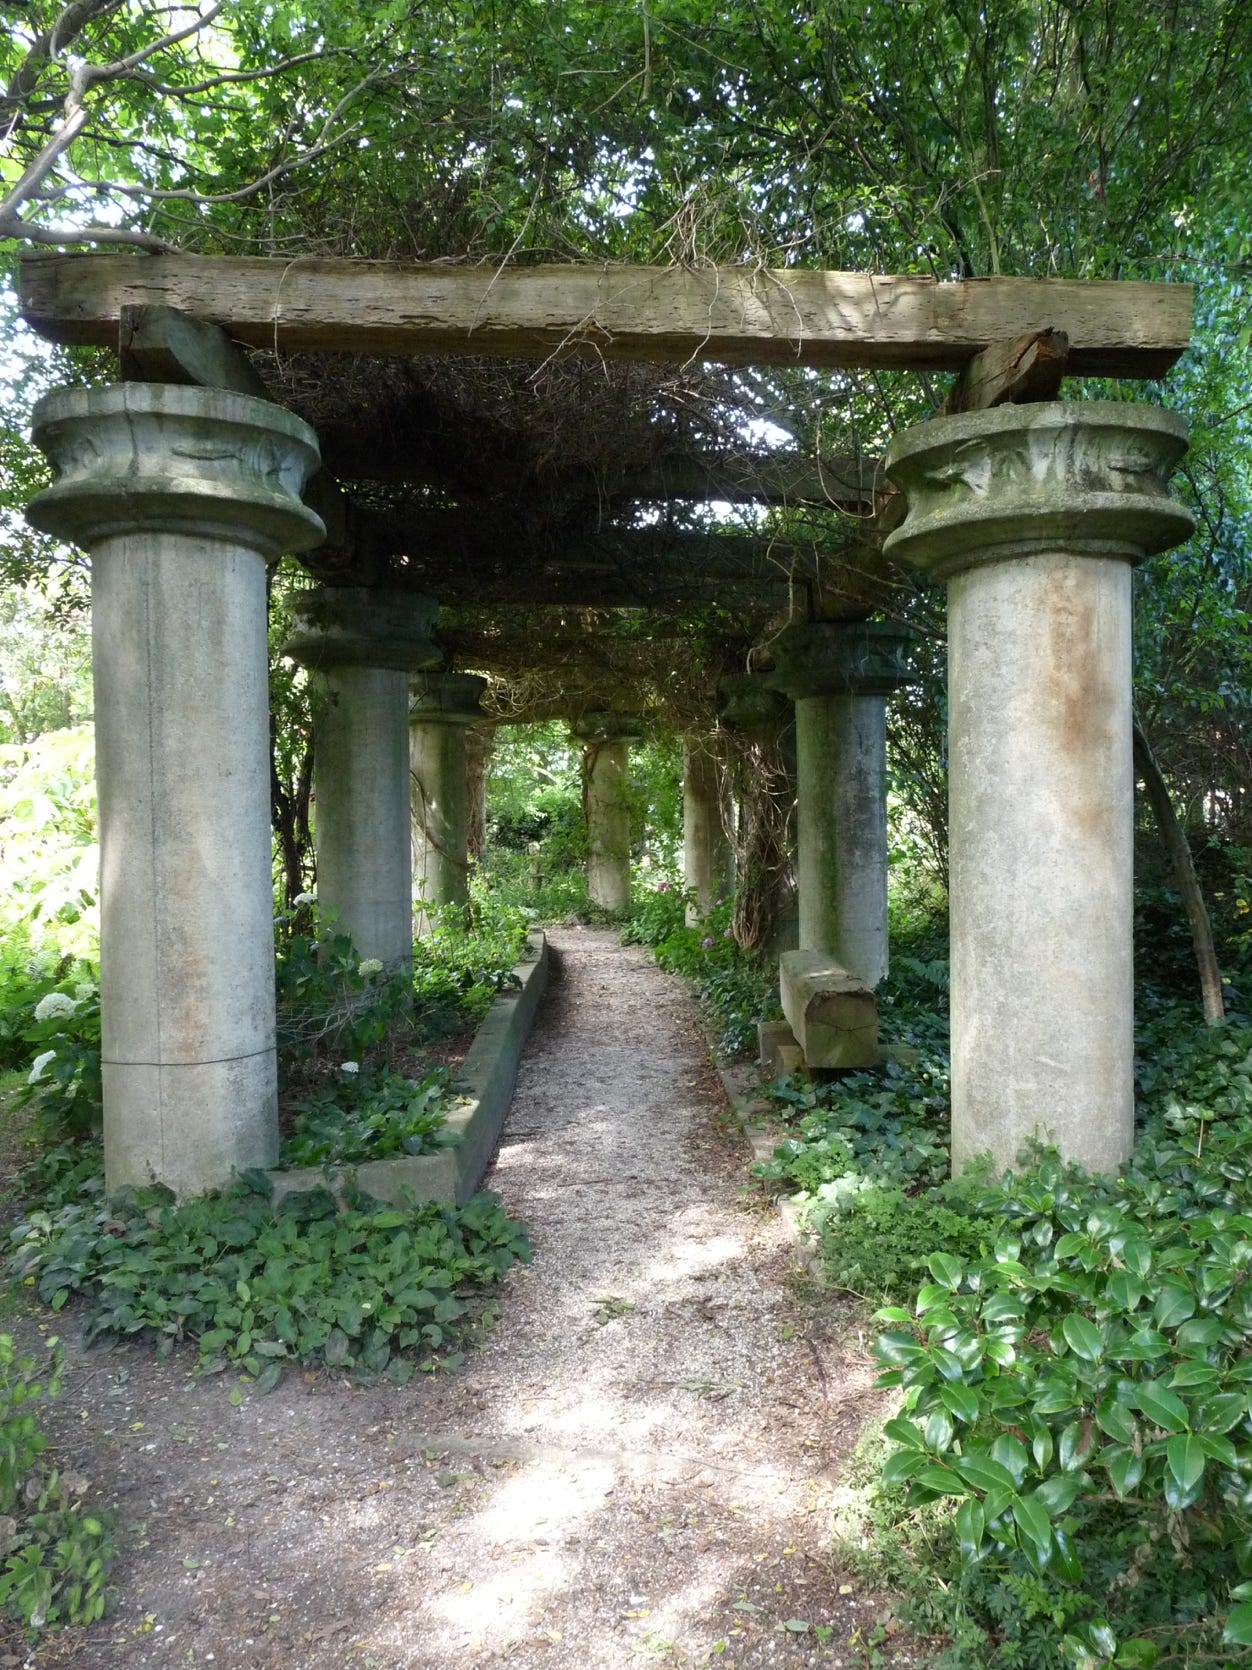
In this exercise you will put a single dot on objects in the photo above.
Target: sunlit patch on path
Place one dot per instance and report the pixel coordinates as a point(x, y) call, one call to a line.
point(640, 1466)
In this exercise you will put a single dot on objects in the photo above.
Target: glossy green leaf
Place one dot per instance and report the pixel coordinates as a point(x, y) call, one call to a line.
point(970, 1527)
point(1125, 1468)
point(1185, 1457)
point(1033, 1519)
point(1161, 1406)
point(1083, 1337)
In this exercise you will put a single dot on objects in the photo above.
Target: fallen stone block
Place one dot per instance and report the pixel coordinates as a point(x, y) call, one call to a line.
point(832, 1013)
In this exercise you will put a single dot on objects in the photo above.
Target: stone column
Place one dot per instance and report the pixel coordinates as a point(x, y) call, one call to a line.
point(766, 884)
point(708, 859)
point(480, 742)
point(1034, 515)
point(606, 740)
point(363, 644)
point(839, 674)
point(443, 707)
point(181, 495)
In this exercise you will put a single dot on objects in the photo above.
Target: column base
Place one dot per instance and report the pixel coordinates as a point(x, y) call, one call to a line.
point(191, 1127)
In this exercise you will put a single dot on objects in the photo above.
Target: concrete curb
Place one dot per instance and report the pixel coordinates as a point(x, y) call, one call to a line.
point(740, 1084)
point(486, 1077)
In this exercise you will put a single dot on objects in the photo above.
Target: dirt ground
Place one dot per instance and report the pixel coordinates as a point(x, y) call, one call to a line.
point(640, 1466)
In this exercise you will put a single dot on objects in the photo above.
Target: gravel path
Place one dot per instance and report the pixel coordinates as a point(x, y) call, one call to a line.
point(638, 1468)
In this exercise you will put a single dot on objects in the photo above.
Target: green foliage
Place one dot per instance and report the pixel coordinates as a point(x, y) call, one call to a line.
point(370, 1288)
point(54, 1552)
point(63, 1173)
point(45, 666)
point(367, 1116)
point(62, 1034)
point(876, 1239)
point(657, 913)
point(332, 1003)
point(888, 1127)
point(48, 871)
point(534, 794)
point(1076, 1385)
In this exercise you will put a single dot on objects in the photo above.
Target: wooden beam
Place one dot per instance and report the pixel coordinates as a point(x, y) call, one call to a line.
point(735, 315)
point(161, 345)
point(1030, 368)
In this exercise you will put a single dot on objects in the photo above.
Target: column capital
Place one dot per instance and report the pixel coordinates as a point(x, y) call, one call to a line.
point(749, 703)
point(1085, 477)
point(607, 727)
point(362, 626)
point(446, 699)
point(161, 458)
point(841, 658)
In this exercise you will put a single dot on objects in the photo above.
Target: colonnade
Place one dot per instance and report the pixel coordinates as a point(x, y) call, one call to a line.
point(1033, 515)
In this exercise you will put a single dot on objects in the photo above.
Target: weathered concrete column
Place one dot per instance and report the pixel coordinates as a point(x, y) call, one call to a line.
point(441, 711)
point(708, 858)
point(480, 743)
point(766, 890)
point(363, 645)
point(180, 495)
point(1034, 515)
point(606, 740)
point(839, 675)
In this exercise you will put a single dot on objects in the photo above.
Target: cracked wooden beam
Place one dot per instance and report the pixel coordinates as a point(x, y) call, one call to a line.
point(735, 315)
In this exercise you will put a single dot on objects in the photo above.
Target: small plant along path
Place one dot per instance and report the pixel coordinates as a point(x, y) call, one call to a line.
point(642, 1465)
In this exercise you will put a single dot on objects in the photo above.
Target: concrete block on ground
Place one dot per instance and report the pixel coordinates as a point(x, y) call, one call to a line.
point(486, 1079)
point(832, 1013)
point(778, 1053)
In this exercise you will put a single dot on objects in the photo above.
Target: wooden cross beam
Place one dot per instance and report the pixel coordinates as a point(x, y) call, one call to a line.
point(736, 315)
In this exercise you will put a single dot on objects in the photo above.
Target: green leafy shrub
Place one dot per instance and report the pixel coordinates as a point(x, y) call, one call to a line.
point(367, 1116)
point(888, 1127)
point(1081, 1395)
point(54, 1552)
point(49, 890)
point(877, 1241)
point(62, 1174)
point(331, 1001)
point(657, 912)
point(736, 991)
point(369, 1288)
point(62, 1038)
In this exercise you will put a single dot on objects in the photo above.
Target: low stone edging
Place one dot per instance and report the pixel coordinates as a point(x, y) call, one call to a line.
point(487, 1077)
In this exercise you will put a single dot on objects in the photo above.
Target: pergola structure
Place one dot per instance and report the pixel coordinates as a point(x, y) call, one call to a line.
point(186, 477)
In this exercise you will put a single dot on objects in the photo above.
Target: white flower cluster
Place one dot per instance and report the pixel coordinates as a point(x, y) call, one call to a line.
point(55, 1006)
point(369, 967)
point(305, 899)
point(39, 1064)
point(349, 1066)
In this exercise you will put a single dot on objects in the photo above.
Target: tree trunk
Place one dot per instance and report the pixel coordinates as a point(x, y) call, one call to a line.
point(1184, 874)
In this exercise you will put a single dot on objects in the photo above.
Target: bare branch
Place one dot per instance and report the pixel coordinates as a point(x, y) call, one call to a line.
point(39, 170)
point(168, 89)
point(13, 226)
point(122, 66)
point(43, 50)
